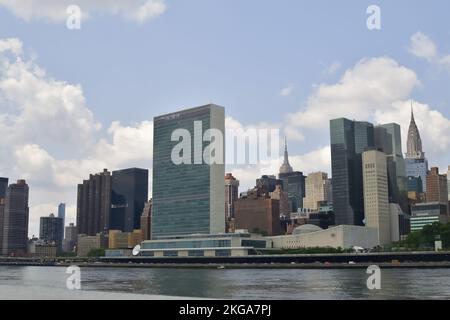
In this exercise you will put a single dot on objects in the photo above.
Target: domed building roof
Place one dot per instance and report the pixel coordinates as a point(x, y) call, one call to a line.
point(307, 228)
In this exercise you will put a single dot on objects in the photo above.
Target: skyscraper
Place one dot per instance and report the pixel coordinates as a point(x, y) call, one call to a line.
point(94, 204)
point(416, 163)
point(70, 238)
point(3, 188)
point(293, 183)
point(286, 167)
point(376, 200)
point(129, 192)
point(50, 230)
point(318, 190)
point(231, 194)
point(15, 222)
point(349, 139)
point(62, 215)
point(388, 139)
point(188, 197)
point(448, 182)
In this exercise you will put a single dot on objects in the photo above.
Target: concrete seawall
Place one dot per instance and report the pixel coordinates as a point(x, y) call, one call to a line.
point(314, 261)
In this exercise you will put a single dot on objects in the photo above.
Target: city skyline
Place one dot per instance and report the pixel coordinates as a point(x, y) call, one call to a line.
point(308, 85)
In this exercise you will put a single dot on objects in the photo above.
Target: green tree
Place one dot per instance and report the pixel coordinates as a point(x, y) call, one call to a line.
point(96, 253)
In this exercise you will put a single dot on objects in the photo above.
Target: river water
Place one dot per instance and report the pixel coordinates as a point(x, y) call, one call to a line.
point(284, 284)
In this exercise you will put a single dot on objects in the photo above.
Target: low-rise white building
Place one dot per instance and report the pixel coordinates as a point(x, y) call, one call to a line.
point(343, 236)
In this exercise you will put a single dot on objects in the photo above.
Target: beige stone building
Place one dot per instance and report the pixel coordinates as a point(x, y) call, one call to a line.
point(376, 197)
point(317, 190)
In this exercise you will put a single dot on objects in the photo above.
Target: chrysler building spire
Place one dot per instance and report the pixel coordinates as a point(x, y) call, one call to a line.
point(414, 144)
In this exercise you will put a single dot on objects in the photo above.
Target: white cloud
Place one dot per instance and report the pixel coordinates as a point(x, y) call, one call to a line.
point(50, 137)
point(286, 92)
point(434, 127)
point(445, 62)
point(40, 109)
point(423, 47)
point(55, 10)
point(372, 84)
point(334, 67)
point(12, 44)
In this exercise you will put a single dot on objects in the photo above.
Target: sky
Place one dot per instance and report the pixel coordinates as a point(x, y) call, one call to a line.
point(73, 102)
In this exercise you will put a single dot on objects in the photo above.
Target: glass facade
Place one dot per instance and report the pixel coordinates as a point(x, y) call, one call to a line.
point(129, 192)
point(3, 187)
point(294, 183)
point(348, 140)
point(388, 139)
point(188, 244)
point(417, 168)
point(196, 253)
point(187, 198)
point(223, 253)
point(417, 223)
point(50, 229)
point(415, 184)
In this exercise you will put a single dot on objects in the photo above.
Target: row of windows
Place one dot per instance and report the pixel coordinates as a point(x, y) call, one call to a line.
point(192, 253)
point(188, 244)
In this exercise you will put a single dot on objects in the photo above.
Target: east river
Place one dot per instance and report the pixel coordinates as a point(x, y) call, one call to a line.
point(284, 284)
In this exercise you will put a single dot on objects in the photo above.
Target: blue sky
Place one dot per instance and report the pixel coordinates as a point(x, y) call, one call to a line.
point(236, 53)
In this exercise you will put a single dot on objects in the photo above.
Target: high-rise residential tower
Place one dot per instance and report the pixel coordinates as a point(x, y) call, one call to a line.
point(50, 230)
point(15, 221)
point(376, 199)
point(3, 188)
point(94, 204)
point(188, 196)
point(416, 163)
point(231, 194)
point(129, 193)
point(349, 139)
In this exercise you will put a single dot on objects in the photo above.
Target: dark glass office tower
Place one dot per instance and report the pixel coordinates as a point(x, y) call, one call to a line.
point(129, 193)
point(349, 139)
point(187, 198)
point(3, 187)
point(388, 139)
point(294, 183)
point(62, 215)
point(50, 230)
point(15, 222)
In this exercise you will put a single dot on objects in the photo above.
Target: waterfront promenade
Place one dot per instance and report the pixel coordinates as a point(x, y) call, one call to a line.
point(306, 261)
